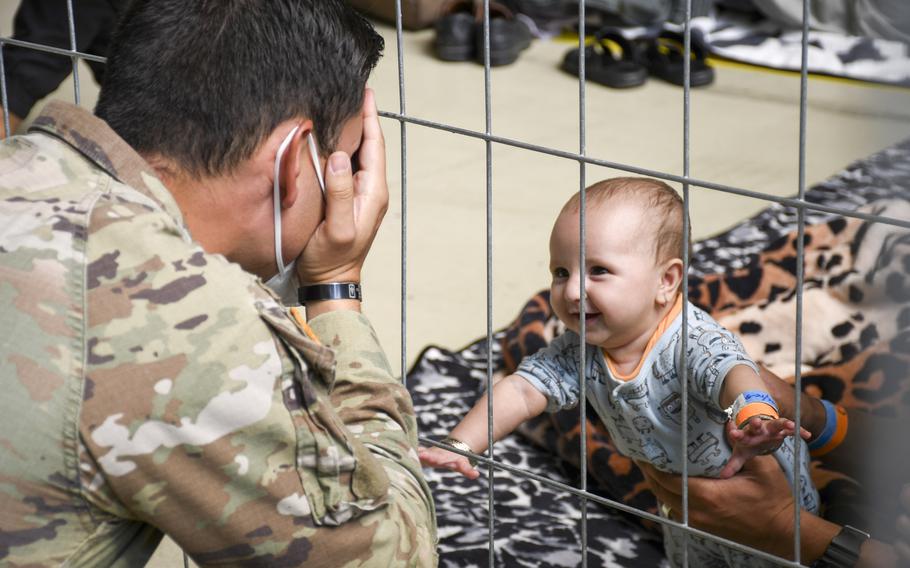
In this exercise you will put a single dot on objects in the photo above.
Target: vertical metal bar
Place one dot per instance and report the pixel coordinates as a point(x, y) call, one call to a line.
point(404, 193)
point(3, 98)
point(800, 258)
point(72, 26)
point(582, 356)
point(684, 439)
point(488, 110)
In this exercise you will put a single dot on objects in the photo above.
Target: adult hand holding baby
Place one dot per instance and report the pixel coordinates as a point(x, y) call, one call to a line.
point(755, 507)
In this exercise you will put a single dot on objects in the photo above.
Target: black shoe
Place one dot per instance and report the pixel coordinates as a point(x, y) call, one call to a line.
point(455, 32)
point(610, 60)
point(509, 36)
point(665, 59)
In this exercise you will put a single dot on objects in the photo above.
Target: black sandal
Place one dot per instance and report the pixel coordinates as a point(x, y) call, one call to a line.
point(610, 61)
point(663, 56)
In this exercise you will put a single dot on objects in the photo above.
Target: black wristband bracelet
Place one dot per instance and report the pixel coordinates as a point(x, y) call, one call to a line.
point(331, 291)
point(843, 551)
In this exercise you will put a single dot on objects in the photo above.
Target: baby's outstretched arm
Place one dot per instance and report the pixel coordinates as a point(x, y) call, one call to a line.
point(754, 428)
point(514, 401)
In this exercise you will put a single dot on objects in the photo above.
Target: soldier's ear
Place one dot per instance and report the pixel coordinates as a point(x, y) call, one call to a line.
point(289, 169)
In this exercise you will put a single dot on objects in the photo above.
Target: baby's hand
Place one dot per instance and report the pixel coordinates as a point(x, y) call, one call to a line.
point(440, 458)
point(757, 437)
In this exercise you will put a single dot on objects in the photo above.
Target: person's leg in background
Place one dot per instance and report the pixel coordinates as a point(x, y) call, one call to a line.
point(32, 74)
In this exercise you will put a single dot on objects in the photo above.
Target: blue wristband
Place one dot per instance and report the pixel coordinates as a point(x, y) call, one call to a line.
point(747, 398)
point(830, 427)
point(760, 396)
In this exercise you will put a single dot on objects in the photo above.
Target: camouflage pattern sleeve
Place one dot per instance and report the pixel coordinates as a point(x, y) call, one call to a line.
point(45, 193)
point(209, 414)
point(372, 402)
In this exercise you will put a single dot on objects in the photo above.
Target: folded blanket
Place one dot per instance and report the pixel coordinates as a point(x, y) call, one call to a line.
point(769, 44)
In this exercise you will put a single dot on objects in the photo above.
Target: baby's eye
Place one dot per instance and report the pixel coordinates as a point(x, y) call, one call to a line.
point(599, 271)
point(560, 272)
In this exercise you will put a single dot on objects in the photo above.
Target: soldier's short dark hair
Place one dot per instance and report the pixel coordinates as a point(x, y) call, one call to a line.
point(204, 82)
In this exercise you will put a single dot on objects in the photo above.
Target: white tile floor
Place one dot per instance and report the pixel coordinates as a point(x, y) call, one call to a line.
point(744, 132)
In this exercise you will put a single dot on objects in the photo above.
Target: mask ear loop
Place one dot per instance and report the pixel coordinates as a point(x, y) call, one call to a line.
point(276, 197)
point(314, 155)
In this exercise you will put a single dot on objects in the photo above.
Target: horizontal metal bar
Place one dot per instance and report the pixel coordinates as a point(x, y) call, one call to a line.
point(609, 502)
point(787, 201)
point(51, 49)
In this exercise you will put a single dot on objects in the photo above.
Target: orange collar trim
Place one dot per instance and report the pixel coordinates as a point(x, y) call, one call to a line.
point(661, 328)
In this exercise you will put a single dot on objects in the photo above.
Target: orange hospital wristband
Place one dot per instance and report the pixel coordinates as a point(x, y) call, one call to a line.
point(750, 404)
point(762, 410)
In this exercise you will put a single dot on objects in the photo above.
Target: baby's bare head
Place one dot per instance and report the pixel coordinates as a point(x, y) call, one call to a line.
point(660, 205)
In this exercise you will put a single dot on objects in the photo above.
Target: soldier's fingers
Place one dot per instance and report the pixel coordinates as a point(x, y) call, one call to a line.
point(667, 487)
point(372, 145)
point(339, 197)
point(372, 132)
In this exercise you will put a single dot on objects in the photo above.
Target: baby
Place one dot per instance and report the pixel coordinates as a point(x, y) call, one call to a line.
point(633, 356)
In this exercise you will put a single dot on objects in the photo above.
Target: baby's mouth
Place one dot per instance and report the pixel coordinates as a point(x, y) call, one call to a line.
point(590, 316)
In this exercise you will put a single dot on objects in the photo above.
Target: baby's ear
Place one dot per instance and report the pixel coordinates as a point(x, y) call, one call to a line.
point(670, 279)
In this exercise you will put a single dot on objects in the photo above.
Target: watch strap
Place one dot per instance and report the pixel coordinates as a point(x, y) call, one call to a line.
point(843, 552)
point(330, 291)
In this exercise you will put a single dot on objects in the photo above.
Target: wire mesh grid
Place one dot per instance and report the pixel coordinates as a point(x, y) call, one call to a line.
point(686, 181)
point(583, 160)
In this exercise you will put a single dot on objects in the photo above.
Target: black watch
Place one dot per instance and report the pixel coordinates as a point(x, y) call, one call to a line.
point(843, 552)
point(331, 291)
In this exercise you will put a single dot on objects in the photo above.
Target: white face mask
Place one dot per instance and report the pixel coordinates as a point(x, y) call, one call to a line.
point(285, 282)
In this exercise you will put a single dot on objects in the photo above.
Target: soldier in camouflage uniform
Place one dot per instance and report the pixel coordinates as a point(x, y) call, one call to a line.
point(151, 382)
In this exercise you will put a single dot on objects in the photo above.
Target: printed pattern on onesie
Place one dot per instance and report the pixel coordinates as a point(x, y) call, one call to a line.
point(644, 414)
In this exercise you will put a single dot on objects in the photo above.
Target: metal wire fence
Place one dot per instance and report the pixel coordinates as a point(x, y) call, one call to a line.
point(686, 181)
point(583, 159)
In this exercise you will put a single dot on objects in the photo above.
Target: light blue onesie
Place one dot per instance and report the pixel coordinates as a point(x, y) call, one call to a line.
point(644, 414)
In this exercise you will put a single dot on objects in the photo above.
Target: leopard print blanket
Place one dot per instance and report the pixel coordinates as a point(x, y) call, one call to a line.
point(855, 351)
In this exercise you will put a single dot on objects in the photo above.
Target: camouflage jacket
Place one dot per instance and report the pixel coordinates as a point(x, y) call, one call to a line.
point(149, 387)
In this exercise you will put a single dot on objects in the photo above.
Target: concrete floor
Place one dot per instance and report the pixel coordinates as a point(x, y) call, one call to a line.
point(744, 132)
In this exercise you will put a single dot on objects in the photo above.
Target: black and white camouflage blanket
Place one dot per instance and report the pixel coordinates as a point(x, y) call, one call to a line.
point(767, 44)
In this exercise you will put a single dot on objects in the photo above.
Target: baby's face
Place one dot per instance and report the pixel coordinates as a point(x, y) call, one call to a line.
point(621, 275)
